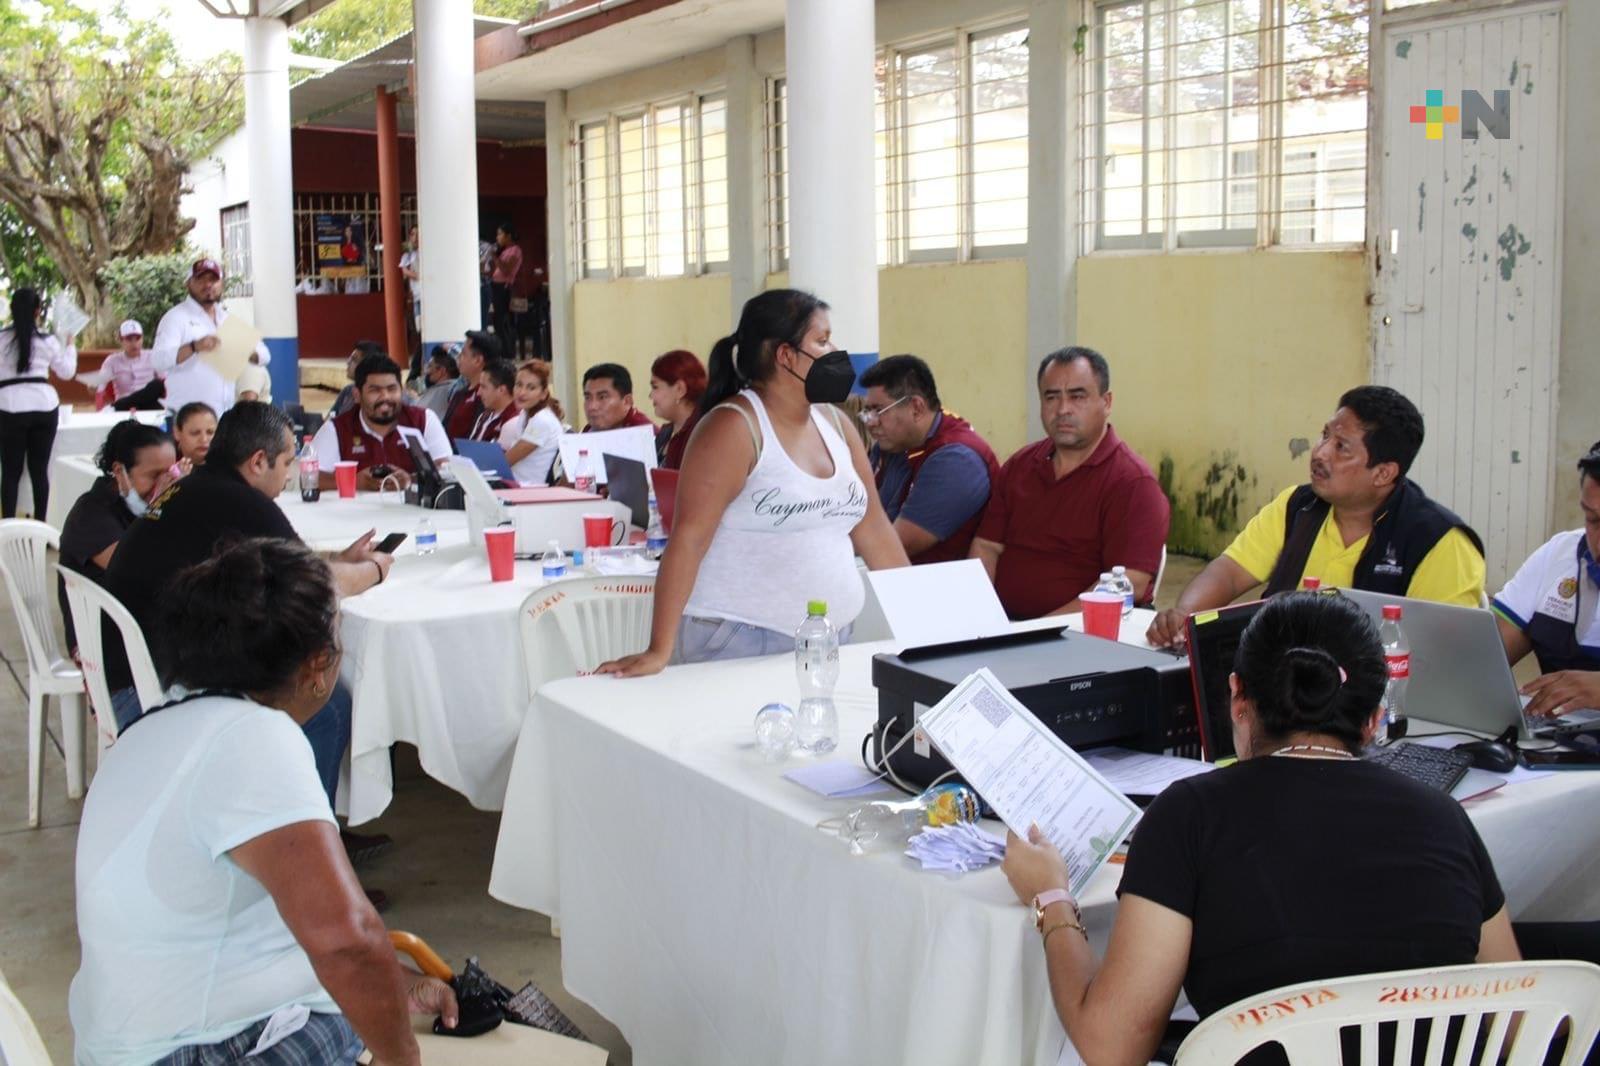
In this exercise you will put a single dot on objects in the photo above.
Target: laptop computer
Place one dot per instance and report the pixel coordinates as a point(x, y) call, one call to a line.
point(625, 483)
point(487, 456)
point(1459, 674)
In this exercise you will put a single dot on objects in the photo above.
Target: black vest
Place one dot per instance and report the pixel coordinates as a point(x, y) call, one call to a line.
point(1403, 534)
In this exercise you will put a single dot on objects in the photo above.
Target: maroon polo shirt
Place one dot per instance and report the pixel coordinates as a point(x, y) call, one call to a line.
point(1061, 535)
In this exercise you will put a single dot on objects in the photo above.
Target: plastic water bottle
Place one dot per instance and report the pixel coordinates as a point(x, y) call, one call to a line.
point(583, 477)
point(655, 537)
point(554, 563)
point(775, 731)
point(310, 474)
point(1397, 657)
point(816, 667)
point(1104, 584)
point(1124, 584)
point(427, 537)
point(890, 824)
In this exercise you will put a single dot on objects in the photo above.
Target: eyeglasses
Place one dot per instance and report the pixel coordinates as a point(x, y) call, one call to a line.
point(871, 415)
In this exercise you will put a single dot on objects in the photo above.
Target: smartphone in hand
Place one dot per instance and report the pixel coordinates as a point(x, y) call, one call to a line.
point(388, 544)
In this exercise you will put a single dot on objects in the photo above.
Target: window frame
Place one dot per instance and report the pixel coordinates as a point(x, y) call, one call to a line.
point(237, 261)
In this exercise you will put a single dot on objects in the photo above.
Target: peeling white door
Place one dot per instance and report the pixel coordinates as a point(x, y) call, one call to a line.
point(1466, 317)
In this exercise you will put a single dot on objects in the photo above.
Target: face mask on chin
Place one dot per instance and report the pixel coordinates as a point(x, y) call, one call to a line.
point(131, 498)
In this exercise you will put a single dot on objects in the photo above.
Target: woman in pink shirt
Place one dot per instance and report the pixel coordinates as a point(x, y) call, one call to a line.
point(507, 265)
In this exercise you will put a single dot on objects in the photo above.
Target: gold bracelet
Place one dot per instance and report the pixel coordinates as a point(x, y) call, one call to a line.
point(1065, 923)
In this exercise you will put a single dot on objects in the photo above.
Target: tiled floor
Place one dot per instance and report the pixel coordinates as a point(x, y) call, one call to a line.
point(435, 875)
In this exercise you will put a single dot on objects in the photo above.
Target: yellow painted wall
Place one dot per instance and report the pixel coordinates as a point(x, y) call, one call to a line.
point(1224, 368)
point(633, 320)
point(970, 322)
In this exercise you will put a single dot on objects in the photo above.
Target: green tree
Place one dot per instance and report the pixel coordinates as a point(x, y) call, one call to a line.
point(100, 120)
point(356, 27)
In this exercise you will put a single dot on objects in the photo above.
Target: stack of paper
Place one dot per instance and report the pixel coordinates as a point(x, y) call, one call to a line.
point(960, 847)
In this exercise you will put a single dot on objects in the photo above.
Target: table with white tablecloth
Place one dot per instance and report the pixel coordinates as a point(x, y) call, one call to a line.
point(433, 656)
point(79, 435)
point(706, 916)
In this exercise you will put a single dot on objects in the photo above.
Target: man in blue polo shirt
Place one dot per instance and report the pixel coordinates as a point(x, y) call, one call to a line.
point(1551, 607)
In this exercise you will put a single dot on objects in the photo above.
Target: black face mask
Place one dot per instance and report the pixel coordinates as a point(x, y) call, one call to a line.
point(831, 379)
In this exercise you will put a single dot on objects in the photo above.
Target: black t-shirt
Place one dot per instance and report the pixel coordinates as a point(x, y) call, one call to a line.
point(185, 525)
point(1300, 869)
point(97, 520)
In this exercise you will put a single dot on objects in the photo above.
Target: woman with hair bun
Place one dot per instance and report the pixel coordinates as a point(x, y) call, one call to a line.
point(1298, 863)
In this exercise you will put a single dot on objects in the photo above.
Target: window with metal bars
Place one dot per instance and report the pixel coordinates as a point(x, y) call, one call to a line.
point(651, 190)
point(1214, 123)
point(951, 150)
point(236, 250)
point(362, 208)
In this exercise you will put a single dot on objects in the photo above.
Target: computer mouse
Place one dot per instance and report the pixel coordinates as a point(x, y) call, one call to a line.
point(1490, 755)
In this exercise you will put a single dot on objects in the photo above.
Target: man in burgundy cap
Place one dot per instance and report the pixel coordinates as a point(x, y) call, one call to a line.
point(188, 331)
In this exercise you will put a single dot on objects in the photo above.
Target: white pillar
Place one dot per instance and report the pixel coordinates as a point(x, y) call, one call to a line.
point(747, 201)
point(266, 123)
point(447, 169)
point(830, 57)
point(563, 352)
point(1052, 188)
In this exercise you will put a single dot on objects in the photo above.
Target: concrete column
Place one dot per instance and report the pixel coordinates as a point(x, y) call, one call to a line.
point(266, 123)
point(447, 169)
point(747, 200)
point(829, 56)
point(394, 284)
point(1053, 73)
point(558, 230)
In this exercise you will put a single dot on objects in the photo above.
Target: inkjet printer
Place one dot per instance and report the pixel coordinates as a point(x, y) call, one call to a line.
point(1091, 692)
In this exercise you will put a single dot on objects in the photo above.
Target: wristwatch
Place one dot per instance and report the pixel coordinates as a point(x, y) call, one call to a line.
point(1054, 895)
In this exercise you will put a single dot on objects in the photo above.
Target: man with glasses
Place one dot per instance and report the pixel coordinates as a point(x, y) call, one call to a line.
point(932, 469)
point(1552, 608)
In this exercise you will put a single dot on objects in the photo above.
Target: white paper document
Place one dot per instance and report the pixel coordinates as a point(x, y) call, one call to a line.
point(1028, 775)
point(236, 343)
point(939, 603)
point(634, 442)
point(1138, 773)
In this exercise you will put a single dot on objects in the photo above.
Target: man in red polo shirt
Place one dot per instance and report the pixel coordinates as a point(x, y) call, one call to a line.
point(464, 407)
point(374, 432)
point(1072, 506)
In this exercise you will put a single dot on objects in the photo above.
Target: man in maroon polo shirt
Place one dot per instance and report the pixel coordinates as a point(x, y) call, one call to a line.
point(1072, 506)
point(462, 412)
point(608, 399)
point(373, 433)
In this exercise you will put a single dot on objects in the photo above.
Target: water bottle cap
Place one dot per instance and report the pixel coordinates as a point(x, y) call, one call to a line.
point(1391, 611)
point(817, 607)
point(1119, 570)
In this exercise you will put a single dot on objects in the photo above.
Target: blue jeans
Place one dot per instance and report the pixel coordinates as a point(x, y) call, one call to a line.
point(328, 731)
point(702, 640)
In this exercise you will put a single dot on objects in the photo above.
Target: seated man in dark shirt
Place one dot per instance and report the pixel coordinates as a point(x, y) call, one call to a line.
point(934, 473)
point(1300, 862)
point(1074, 505)
point(231, 497)
point(135, 464)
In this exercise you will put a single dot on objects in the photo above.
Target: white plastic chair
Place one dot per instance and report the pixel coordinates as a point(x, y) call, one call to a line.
point(20, 1044)
point(1161, 571)
point(23, 543)
point(88, 602)
point(571, 627)
point(1306, 1019)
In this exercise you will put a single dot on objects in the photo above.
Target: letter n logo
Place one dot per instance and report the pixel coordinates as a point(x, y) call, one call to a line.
point(1475, 110)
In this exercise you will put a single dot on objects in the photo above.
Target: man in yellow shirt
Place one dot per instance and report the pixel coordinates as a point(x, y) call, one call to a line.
point(1360, 523)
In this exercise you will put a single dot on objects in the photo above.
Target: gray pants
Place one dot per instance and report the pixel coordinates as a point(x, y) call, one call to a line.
point(702, 640)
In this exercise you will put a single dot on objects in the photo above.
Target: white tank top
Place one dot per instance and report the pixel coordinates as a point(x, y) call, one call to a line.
point(785, 539)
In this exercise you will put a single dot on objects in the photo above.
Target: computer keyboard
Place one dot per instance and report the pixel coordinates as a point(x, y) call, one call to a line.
point(1438, 768)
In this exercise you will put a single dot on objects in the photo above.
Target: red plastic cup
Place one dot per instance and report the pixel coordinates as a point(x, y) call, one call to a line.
point(344, 476)
point(501, 544)
point(1102, 614)
point(600, 529)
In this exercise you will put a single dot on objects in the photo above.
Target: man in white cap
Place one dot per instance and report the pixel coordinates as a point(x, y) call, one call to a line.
point(132, 372)
point(190, 329)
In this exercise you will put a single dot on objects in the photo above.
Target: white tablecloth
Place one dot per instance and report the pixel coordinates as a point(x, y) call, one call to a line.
point(704, 914)
point(433, 656)
point(78, 434)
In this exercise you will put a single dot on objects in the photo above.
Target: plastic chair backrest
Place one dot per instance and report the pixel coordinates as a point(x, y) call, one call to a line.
point(1307, 1019)
point(88, 602)
point(1161, 571)
point(23, 543)
point(20, 1044)
point(571, 627)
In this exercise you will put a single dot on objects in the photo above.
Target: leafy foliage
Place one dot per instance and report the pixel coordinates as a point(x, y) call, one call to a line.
point(356, 27)
point(147, 286)
point(100, 119)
